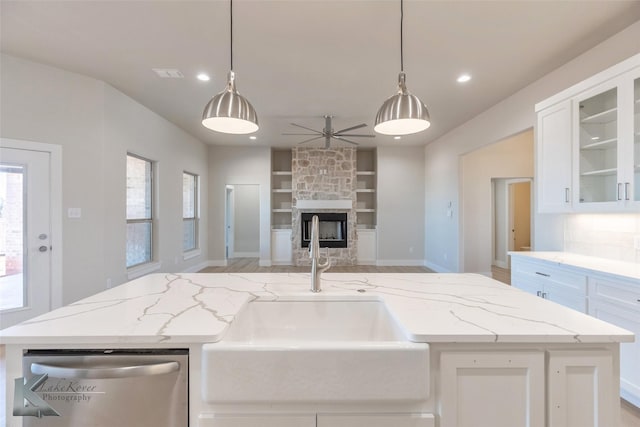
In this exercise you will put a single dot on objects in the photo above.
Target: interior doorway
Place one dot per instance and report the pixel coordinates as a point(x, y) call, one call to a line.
point(242, 221)
point(511, 218)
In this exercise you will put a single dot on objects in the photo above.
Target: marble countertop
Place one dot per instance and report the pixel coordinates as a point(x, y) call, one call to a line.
point(628, 270)
point(198, 308)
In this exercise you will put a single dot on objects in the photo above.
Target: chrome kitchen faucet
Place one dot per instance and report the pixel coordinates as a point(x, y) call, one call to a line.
point(314, 253)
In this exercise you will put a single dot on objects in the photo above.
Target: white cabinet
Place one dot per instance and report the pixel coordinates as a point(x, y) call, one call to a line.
point(599, 121)
point(617, 301)
point(558, 284)
point(376, 420)
point(367, 249)
point(257, 420)
point(553, 158)
point(492, 389)
point(281, 247)
point(582, 389)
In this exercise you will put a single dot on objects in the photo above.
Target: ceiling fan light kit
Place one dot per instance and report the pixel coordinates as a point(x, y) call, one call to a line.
point(402, 113)
point(228, 111)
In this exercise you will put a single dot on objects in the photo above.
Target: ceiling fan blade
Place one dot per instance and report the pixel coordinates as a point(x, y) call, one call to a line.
point(355, 134)
point(299, 134)
point(304, 127)
point(351, 128)
point(310, 139)
point(345, 140)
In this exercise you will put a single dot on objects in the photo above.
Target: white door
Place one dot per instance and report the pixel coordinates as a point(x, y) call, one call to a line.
point(25, 235)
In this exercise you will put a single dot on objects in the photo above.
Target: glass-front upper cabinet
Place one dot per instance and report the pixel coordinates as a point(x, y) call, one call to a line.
point(598, 147)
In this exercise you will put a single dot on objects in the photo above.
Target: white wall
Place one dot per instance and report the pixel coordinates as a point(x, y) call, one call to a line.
point(400, 210)
point(235, 166)
point(95, 125)
point(510, 158)
point(247, 220)
point(443, 239)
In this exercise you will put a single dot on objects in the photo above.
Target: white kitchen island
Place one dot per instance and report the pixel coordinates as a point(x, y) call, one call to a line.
point(497, 356)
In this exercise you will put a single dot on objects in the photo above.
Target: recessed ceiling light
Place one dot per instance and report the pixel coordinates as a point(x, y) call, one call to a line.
point(397, 137)
point(253, 137)
point(463, 78)
point(203, 77)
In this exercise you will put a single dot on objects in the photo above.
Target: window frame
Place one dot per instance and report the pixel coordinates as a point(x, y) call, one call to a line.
point(150, 220)
point(196, 212)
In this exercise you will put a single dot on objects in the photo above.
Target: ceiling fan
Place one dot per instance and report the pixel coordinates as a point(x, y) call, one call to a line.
point(327, 133)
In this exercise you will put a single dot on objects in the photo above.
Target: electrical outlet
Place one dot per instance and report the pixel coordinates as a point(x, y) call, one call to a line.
point(636, 242)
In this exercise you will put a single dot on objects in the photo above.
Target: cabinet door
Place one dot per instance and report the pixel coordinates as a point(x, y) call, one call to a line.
point(367, 247)
point(475, 384)
point(582, 390)
point(376, 420)
point(596, 161)
point(618, 303)
point(281, 247)
point(632, 185)
point(553, 158)
point(257, 420)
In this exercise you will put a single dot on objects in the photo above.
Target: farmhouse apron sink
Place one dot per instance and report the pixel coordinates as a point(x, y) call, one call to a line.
point(315, 351)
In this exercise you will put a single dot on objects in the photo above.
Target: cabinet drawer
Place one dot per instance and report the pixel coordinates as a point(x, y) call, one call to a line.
point(625, 293)
point(546, 271)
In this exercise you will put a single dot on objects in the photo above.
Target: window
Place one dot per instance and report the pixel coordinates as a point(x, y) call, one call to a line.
point(139, 211)
point(189, 211)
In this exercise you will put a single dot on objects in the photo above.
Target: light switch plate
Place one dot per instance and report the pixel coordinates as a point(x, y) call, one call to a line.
point(74, 213)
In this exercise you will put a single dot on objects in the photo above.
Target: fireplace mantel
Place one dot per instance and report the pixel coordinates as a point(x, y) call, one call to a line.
point(324, 204)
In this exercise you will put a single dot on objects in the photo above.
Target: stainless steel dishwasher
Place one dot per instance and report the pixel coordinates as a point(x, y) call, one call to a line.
point(100, 388)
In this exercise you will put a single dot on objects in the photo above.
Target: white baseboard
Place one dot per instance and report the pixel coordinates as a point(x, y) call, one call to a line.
point(366, 262)
point(197, 267)
point(281, 263)
point(246, 255)
point(399, 262)
point(437, 268)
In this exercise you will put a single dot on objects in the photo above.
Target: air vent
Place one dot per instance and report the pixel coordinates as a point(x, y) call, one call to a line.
point(169, 73)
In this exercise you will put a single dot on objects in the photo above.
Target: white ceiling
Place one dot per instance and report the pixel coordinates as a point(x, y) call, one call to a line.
point(301, 59)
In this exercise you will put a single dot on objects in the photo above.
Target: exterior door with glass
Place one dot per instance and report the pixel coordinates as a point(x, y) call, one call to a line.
point(25, 235)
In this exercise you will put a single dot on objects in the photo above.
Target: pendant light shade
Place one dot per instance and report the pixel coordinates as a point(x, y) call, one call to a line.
point(402, 113)
point(228, 111)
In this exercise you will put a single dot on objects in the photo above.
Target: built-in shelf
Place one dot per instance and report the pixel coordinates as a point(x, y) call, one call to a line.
point(601, 172)
point(284, 173)
point(281, 190)
point(365, 210)
point(363, 173)
point(601, 145)
point(365, 190)
point(281, 210)
point(606, 116)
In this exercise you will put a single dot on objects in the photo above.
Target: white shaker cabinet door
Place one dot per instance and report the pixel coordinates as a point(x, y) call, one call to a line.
point(376, 420)
point(257, 420)
point(492, 389)
point(553, 158)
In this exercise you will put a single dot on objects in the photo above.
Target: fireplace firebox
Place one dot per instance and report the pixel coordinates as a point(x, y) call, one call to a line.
point(332, 229)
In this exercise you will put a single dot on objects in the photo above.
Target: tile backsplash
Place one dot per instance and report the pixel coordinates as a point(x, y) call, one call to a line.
point(608, 236)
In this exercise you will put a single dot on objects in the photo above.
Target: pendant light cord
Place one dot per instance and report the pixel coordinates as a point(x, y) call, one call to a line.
point(401, 44)
point(231, 30)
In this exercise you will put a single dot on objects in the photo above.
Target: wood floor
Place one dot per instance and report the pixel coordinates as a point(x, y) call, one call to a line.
point(250, 265)
point(629, 414)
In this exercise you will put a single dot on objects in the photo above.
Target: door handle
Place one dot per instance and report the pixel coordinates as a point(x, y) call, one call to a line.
point(619, 188)
point(626, 190)
point(85, 370)
point(566, 195)
point(543, 274)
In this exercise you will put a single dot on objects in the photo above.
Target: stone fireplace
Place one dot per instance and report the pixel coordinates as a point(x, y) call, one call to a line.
point(324, 181)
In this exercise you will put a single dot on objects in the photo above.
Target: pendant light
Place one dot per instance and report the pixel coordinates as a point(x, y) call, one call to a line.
point(402, 113)
point(228, 111)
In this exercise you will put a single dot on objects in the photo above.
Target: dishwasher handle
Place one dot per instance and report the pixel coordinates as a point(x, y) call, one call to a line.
point(86, 371)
